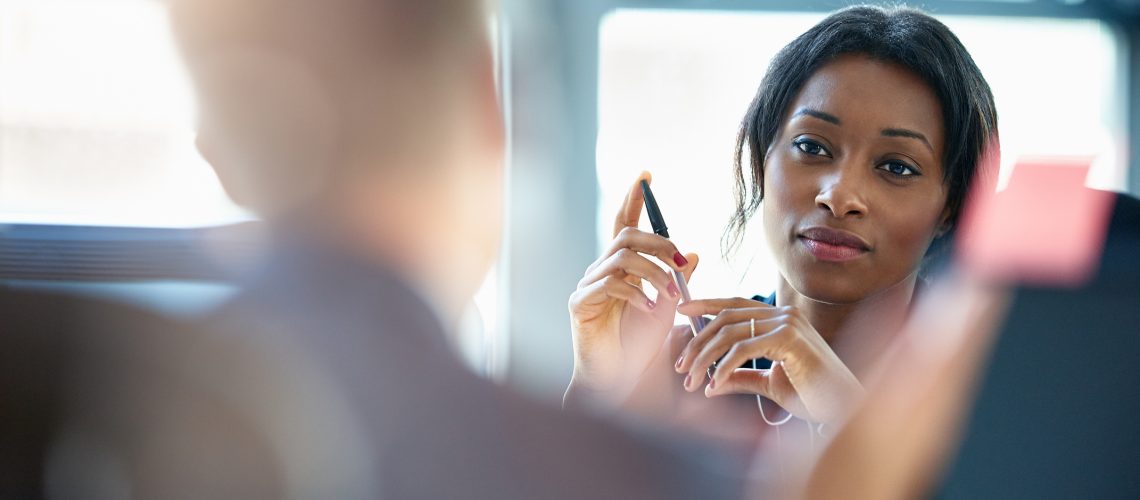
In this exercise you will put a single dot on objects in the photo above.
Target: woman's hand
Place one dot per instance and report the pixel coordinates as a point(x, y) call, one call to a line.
point(617, 329)
point(807, 378)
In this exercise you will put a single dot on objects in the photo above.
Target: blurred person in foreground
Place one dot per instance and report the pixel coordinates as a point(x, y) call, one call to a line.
point(367, 135)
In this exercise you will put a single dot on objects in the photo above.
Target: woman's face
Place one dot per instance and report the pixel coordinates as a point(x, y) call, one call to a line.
point(853, 191)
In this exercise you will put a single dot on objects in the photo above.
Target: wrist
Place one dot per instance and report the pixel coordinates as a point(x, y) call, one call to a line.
point(584, 391)
point(589, 385)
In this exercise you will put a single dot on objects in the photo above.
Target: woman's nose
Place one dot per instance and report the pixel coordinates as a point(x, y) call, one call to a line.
point(842, 194)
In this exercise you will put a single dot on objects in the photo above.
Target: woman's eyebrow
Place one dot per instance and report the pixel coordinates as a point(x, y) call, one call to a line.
point(902, 132)
point(815, 113)
point(887, 132)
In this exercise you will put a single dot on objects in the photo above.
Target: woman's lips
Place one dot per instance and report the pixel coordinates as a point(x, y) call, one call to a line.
point(832, 245)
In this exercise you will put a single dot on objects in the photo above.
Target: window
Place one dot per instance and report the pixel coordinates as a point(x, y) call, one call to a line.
point(97, 119)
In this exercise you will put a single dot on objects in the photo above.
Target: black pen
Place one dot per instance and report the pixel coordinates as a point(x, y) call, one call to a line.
point(697, 323)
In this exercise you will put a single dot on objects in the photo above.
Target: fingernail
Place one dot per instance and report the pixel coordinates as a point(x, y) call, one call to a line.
point(680, 260)
point(688, 381)
point(650, 303)
point(712, 384)
point(673, 290)
point(680, 360)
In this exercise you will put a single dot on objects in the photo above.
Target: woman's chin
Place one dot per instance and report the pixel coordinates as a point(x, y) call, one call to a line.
point(831, 289)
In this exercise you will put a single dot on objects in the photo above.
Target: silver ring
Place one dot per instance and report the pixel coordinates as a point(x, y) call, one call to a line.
point(759, 403)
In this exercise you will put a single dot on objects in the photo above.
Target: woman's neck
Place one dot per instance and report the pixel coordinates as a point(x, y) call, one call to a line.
point(857, 331)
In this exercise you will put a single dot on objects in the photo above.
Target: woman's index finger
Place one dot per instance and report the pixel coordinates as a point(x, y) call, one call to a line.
point(715, 306)
point(630, 213)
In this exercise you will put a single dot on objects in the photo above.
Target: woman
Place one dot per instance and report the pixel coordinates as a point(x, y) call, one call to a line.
point(861, 142)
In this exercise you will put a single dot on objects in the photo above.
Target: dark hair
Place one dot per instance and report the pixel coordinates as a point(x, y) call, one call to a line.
point(903, 36)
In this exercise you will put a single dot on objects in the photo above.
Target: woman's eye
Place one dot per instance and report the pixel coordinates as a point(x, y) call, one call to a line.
point(811, 147)
point(899, 169)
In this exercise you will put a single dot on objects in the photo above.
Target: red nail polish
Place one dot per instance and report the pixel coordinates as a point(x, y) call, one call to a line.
point(688, 380)
point(680, 260)
point(650, 303)
point(673, 291)
point(712, 384)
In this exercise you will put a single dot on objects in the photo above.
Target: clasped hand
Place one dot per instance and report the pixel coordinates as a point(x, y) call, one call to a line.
point(807, 378)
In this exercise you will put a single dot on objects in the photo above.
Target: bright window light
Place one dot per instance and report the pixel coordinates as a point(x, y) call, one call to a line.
point(97, 119)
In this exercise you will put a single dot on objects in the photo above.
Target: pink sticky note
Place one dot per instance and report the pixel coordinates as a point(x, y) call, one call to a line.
point(1045, 228)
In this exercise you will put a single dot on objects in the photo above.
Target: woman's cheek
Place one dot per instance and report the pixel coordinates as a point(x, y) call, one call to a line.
point(910, 235)
point(778, 210)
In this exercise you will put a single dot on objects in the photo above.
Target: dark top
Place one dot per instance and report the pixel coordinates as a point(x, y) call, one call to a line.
point(770, 299)
point(763, 363)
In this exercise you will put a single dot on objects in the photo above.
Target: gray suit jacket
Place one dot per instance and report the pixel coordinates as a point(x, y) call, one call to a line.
point(432, 428)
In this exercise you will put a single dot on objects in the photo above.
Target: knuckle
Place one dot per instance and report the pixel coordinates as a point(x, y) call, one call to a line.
point(711, 346)
point(627, 233)
point(704, 358)
point(713, 324)
point(733, 352)
point(715, 346)
point(721, 330)
point(784, 332)
point(796, 320)
point(722, 317)
point(793, 313)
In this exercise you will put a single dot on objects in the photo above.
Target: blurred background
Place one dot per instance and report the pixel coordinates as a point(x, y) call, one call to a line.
point(102, 191)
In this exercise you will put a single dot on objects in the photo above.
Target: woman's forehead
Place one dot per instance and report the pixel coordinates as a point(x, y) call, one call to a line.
point(866, 93)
